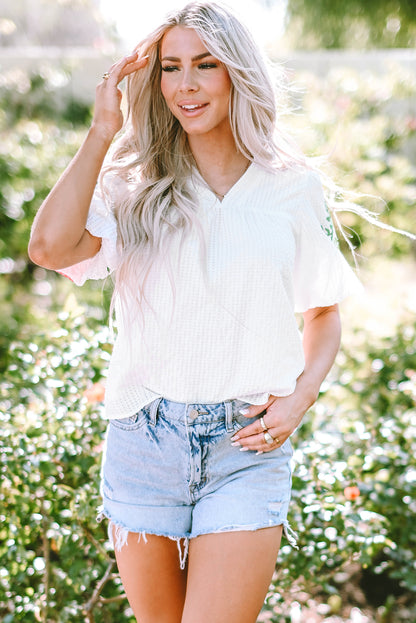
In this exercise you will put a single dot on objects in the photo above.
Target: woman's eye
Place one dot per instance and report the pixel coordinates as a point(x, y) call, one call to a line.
point(170, 68)
point(207, 65)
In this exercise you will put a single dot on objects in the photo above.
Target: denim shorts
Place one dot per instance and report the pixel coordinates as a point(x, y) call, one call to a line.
point(170, 470)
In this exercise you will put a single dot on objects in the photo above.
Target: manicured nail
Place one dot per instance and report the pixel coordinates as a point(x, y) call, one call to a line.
point(259, 452)
point(244, 411)
point(235, 437)
point(236, 443)
point(244, 449)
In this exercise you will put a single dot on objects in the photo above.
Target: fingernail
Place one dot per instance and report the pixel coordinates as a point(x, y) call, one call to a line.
point(235, 437)
point(244, 411)
point(236, 443)
point(244, 449)
point(259, 452)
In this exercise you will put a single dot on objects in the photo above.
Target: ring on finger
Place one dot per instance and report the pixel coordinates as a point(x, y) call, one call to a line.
point(106, 75)
point(268, 438)
point(263, 425)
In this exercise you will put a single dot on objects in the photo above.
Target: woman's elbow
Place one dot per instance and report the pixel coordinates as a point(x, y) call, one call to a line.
point(55, 254)
point(40, 254)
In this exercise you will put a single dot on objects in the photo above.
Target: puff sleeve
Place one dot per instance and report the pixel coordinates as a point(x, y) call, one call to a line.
point(101, 222)
point(322, 276)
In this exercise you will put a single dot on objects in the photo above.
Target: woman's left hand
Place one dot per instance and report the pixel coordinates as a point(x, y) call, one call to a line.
point(281, 416)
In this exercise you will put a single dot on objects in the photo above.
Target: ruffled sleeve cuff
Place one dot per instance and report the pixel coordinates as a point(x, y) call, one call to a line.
point(322, 276)
point(102, 224)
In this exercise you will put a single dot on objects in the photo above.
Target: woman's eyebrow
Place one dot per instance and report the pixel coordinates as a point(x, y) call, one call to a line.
point(194, 58)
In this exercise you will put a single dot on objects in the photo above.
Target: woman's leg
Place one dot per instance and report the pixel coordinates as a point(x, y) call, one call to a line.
point(229, 574)
point(152, 578)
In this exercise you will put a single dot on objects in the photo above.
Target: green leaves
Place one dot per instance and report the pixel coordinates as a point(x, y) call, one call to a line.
point(51, 547)
point(354, 483)
point(352, 24)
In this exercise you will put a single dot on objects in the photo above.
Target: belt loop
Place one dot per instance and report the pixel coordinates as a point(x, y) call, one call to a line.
point(229, 416)
point(154, 406)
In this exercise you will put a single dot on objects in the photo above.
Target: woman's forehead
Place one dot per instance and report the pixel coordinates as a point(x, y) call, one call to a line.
point(180, 40)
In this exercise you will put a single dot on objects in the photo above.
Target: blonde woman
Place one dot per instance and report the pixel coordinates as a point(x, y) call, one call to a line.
point(216, 231)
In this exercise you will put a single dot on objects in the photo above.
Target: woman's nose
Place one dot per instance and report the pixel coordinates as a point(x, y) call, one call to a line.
point(188, 82)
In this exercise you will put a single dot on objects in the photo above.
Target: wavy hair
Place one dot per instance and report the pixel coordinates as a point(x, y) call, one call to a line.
point(152, 157)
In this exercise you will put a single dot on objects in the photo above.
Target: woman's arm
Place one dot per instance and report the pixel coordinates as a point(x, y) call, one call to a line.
point(59, 238)
point(321, 339)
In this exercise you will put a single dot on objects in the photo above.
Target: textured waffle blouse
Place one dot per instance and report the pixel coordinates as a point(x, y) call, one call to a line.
point(229, 331)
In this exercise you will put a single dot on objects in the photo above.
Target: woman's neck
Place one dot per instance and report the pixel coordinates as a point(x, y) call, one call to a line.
point(219, 162)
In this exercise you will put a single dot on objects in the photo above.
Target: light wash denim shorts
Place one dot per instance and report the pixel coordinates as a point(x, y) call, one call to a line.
point(170, 470)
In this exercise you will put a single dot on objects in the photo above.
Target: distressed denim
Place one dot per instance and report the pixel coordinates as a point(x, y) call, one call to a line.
point(170, 470)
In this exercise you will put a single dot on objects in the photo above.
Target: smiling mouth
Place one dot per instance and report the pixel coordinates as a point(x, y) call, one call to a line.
point(192, 107)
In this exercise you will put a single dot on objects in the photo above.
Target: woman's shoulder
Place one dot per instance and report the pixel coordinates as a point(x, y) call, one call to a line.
point(110, 191)
point(297, 185)
point(297, 175)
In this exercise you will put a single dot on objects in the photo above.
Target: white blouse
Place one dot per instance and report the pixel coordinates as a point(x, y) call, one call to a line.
point(229, 331)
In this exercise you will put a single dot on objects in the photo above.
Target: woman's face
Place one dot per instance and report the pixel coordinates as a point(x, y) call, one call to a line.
point(195, 85)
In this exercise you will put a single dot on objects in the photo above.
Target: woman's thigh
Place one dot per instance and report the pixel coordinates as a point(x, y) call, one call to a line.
point(229, 574)
point(152, 578)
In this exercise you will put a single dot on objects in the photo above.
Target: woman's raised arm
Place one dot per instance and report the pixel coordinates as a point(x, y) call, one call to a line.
point(59, 238)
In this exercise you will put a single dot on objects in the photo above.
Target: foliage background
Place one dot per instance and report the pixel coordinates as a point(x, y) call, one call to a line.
point(353, 24)
point(354, 500)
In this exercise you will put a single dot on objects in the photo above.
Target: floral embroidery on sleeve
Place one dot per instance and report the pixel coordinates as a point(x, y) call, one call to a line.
point(328, 227)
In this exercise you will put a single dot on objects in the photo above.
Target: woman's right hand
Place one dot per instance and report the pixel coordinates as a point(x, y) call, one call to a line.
point(59, 237)
point(108, 117)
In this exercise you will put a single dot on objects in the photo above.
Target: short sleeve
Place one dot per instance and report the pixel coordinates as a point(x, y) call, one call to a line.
point(322, 276)
point(101, 222)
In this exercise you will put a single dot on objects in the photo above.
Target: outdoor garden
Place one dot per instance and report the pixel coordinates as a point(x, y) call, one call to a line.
point(354, 466)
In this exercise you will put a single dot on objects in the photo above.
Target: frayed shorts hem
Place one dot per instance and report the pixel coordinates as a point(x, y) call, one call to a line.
point(118, 534)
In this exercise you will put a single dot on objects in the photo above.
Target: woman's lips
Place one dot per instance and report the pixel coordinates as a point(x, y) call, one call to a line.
point(191, 109)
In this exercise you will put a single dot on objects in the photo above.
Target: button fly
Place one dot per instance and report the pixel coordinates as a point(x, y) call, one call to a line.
point(193, 414)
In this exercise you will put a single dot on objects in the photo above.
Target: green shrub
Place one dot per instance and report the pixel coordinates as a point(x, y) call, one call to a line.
point(361, 433)
point(38, 140)
point(354, 485)
point(52, 550)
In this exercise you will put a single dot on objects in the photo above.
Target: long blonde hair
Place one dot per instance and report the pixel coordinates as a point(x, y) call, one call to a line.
point(152, 156)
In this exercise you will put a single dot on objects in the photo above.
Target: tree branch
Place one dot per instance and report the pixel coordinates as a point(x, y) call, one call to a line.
point(96, 596)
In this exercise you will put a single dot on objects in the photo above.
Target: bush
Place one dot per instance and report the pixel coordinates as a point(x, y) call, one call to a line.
point(52, 550)
point(38, 141)
point(354, 485)
point(354, 480)
point(359, 439)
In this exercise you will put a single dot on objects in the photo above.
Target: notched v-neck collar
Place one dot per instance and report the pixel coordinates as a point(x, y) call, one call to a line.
point(237, 187)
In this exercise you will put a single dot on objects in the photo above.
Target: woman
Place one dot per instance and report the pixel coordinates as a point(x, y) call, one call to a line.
point(216, 230)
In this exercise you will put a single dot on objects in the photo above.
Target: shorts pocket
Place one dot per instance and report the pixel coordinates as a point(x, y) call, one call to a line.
point(240, 421)
point(133, 422)
point(286, 447)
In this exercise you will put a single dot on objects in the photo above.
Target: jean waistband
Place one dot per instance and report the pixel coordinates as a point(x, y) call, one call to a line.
point(195, 412)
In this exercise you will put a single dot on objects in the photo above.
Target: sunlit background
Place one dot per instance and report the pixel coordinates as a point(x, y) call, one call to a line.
point(135, 19)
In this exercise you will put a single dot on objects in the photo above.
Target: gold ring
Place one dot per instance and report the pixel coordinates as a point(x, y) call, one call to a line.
point(268, 438)
point(263, 425)
point(106, 75)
